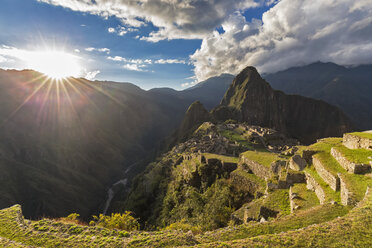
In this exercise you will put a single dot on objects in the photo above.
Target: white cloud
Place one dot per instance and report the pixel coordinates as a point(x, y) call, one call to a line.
point(2, 59)
point(121, 31)
point(170, 61)
point(134, 67)
point(90, 75)
point(175, 19)
point(76, 50)
point(140, 64)
point(292, 33)
point(101, 50)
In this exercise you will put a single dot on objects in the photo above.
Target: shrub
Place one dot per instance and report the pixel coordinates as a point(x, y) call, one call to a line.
point(123, 221)
point(185, 227)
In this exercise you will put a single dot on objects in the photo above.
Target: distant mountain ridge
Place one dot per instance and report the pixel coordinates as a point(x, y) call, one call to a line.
point(349, 88)
point(208, 92)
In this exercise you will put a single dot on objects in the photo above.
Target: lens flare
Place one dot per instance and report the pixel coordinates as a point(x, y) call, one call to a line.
point(54, 64)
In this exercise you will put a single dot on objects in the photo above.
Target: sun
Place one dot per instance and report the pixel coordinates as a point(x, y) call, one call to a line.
point(54, 64)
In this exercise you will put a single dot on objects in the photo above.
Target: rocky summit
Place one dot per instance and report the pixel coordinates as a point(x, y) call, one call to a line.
point(251, 99)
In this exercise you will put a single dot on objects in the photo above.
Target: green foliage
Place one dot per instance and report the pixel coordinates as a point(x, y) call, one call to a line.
point(123, 221)
point(231, 121)
point(184, 226)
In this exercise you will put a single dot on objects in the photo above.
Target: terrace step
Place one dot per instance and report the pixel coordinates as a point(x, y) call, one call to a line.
point(347, 163)
point(302, 198)
point(330, 177)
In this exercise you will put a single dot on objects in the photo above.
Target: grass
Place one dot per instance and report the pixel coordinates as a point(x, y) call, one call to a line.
point(263, 158)
point(306, 198)
point(358, 156)
point(300, 219)
point(330, 163)
point(351, 230)
point(223, 158)
point(363, 135)
point(250, 177)
point(357, 184)
point(234, 136)
point(330, 194)
point(278, 200)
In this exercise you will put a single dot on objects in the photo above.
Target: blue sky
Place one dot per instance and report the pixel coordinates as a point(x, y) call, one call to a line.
point(176, 43)
point(31, 24)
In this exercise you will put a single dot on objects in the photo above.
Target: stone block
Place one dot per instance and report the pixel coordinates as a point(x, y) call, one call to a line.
point(297, 163)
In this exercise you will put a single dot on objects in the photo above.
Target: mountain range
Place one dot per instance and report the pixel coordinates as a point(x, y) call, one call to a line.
point(349, 88)
point(63, 143)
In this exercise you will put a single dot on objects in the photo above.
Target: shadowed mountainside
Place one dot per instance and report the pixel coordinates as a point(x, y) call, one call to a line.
point(64, 142)
point(350, 89)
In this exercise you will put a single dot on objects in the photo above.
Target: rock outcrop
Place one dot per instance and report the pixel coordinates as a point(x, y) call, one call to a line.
point(251, 99)
point(297, 163)
point(352, 141)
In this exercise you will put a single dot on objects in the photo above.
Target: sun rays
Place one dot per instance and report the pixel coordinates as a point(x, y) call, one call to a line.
point(54, 64)
point(58, 101)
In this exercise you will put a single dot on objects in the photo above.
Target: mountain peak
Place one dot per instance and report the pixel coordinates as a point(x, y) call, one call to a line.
point(251, 99)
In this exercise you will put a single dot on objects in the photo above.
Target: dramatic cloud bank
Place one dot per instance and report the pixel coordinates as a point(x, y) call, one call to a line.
point(292, 33)
point(175, 19)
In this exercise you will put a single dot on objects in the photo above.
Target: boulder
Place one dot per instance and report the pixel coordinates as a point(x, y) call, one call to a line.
point(297, 163)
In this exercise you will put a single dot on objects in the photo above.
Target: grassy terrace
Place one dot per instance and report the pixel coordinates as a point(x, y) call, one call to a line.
point(235, 136)
point(330, 194)
point(363, 135)
point(263, 158)
point(330, 163)
point(357, 184)
point(251, 177)
point(358, 156)
point(306, 198)
point(278, 200)
point(318, 214)
point(223, 158)
point(351, 230)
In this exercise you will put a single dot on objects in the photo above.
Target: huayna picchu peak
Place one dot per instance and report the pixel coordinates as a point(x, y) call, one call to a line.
point(251, 99)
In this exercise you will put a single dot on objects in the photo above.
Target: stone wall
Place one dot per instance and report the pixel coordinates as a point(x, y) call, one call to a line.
point(347, 197)
point(355, 142)
point(295, 177)
point(257, 169)
point(313, 185)
point(347, 165)
point(332, 180)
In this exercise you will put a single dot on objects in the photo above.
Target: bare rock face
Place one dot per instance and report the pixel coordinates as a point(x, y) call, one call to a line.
point(297, 163)
point(251, 99)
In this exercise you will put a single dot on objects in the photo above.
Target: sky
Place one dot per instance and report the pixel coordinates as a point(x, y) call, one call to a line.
point(177, 43)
